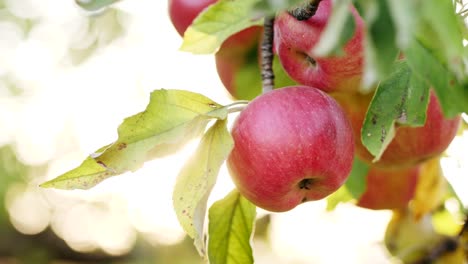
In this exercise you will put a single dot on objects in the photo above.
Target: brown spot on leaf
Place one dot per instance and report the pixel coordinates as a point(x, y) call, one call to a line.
point(383, 135)
point(212, 105)
point(374, 119)
point(121, 146)
point(101, 163)
point(403, 118)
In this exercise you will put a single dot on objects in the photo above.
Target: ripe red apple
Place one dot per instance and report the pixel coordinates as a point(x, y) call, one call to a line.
point(238, 64)
point(389, 188)
point(411, 145)
point(183, 12)
point(237, 60)
point(291, 145)
point(294, 44)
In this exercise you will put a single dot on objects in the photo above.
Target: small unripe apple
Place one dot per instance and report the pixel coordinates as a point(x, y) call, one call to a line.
point(291, 145)
point(238, 62)
point(295, 41)
point(411, 145)
point(183, 12)
point(389, 188)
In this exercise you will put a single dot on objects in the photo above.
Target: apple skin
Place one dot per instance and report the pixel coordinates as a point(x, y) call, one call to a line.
point(183, 12)
point(238, 58)
point(411, 145)
point(389, 188)
point(295, 41)
point(238, 63)
point(291, 145)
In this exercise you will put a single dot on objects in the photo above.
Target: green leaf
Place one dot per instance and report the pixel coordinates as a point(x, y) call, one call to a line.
point(380, 42)
point(231, 224)
point(217, 23)
point(340, 28)
point(270, 7)
point(356, 182)
point(452, 95)
point(197, 178)
point(402, 98)
point(404, 17)
point(353, 188)
point(94, 5)
point(441, 17)
point(172, 118)
point(342, 195)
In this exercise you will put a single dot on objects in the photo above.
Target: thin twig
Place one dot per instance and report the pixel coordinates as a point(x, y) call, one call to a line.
point(306, 10)
point(268, 77)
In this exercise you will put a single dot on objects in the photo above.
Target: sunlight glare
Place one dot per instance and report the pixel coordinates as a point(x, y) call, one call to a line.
point(310, 233)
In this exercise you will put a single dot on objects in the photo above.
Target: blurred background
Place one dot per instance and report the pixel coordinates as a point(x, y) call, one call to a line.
point(67, 80)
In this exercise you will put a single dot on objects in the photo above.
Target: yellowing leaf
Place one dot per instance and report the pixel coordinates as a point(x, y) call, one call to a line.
point(231, 224)
point(197, 179)
point(171, 119)
point(85, 176)
point(446, 223)
point(214, 25)
point(409, 238)
point(431, 188)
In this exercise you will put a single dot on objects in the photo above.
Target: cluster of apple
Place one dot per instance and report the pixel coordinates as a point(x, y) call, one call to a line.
point(298, 143)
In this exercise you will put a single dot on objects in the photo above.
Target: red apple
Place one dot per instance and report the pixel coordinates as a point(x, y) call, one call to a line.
point(411, 145)
point(183, 12)
point(295, 41)
point(238, 57)
point(389, 188)
point(291, 145)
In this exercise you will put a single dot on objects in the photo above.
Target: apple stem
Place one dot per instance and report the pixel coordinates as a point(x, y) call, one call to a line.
point(237, 106)
point(306, 10)
point(268, 76)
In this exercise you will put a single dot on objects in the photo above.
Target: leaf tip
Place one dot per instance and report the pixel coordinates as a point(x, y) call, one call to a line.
point(47, 184)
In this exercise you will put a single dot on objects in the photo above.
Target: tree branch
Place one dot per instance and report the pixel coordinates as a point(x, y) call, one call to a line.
point(268, 77)
point(306, 10)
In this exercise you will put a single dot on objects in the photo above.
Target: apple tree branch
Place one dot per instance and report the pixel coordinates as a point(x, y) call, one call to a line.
point(306, 10)
point(268, 77)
